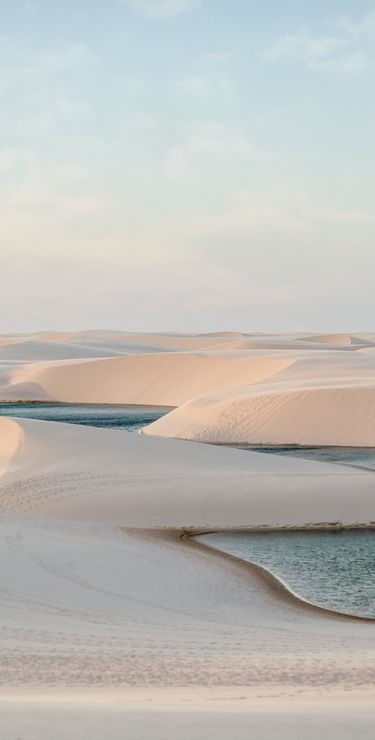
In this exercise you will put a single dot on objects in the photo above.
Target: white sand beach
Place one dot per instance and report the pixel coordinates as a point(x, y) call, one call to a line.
point(113, 622)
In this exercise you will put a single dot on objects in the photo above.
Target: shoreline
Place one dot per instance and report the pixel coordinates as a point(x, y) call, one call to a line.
point(277, 584)
point(76, 403)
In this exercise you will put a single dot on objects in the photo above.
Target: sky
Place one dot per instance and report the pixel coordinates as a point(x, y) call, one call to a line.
point(187, 165)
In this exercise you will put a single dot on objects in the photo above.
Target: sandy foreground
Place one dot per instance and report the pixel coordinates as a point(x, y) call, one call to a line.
point(111, 626)
point(205, 714)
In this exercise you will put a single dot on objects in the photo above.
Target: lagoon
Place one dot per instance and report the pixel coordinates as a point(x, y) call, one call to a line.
point(335, 570)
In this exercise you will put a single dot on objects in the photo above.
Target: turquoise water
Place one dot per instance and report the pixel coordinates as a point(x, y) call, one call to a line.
point(335, 570)
point(363, 456)
point(130, 418)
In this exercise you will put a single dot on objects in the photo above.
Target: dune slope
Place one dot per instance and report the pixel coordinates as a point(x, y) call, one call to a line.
point(102, 475)
point(166, 379)
point(330, 415)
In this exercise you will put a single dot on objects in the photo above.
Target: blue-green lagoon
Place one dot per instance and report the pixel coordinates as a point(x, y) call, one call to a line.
point(130, 418)
point(359, 456)
point(335, 570)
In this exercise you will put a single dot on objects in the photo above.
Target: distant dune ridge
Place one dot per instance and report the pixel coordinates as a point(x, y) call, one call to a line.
point(229, 387)
point(160, 379)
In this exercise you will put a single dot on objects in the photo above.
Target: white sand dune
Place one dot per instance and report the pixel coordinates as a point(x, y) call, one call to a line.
point(284, 392)
point(101, 599)
point(43, 350)
point(179, 342)
point(335, 339)
point(172, 378)
point(130, 480)
point(309, 401)
point(50, 347)
point(300, 416)
point(166, 379)
point(344, 339)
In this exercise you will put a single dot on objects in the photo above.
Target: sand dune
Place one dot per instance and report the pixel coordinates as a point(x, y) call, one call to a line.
point(27, 351)
point(176, 342)
point(307, 402)
point(305, 416)
point(162, 379)
point(285, 391)
point(52, 347)
point(131, 480)
point(170, 378)
point(333, 339)
point(345, 340)
point(69, 345)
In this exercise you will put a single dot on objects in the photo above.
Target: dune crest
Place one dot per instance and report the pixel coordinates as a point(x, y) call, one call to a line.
point(344, 339)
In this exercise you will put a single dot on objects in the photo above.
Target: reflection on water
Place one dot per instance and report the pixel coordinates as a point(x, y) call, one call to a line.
point(335, 570)
point(130, 418)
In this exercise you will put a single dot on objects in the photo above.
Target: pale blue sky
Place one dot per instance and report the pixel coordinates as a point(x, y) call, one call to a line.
point(187, 164)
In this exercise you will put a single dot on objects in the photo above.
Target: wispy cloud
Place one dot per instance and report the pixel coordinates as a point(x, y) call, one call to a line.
point(194, 85)
point(213, 142)
point(201, 86)
point(347, 47)
point(159, 9)
point(19, 63)
point(362, 28)
point(38, 87)
point(302, 45)
point(217, 57)
point(210, 73)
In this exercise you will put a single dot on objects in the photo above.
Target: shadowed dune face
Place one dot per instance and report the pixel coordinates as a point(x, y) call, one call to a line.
point(11, 436)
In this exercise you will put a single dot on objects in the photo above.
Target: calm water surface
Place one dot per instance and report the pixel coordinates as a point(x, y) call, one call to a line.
point(363, 456)
point(130, 418)
point(332, 569)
